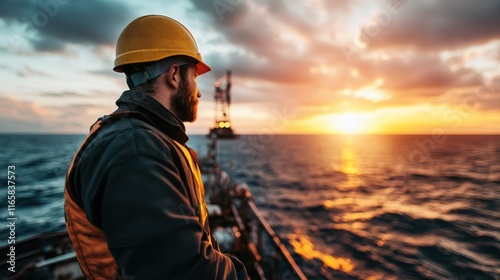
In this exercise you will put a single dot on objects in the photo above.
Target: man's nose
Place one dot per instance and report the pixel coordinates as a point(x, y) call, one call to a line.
point(199, 94)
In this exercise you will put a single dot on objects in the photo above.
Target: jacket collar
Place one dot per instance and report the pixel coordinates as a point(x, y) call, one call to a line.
point(160, 117)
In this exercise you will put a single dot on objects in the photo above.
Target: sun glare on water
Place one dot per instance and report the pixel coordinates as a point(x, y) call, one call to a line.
point(349, 123)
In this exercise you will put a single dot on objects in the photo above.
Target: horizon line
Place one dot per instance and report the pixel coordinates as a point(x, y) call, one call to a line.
point(291, 134)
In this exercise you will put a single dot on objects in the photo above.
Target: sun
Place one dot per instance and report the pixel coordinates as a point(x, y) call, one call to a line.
point(349, 123)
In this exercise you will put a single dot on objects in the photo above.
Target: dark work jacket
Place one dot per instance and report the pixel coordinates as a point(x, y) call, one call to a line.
point(134, 182)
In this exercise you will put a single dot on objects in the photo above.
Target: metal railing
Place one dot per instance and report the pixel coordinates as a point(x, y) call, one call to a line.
point(270, 257)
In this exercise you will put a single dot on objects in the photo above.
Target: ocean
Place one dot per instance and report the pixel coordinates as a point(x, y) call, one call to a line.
point(347, 207)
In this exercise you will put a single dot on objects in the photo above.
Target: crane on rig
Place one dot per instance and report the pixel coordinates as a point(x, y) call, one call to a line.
point(222, 98)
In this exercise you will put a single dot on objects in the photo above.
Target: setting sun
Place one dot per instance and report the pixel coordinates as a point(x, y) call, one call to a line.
point(349, 123)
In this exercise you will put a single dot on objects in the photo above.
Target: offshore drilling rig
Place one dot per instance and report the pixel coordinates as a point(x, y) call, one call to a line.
point(222, 98)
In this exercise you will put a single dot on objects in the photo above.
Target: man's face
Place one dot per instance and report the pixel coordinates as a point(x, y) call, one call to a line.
point(185, 102)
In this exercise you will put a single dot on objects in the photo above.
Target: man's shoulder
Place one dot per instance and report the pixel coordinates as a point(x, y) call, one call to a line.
point(130, 137)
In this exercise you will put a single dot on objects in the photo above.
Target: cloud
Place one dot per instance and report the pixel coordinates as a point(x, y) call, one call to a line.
point(108, 72)
point(416, 71)
point(272, 41)
point(435, 25)
point(292, 44)
point(296, 54)
point(222, 12)
point(47, 44)
point(51, 24)
point(488, 94)
point(65, 94)
point(282, 43)
point(21, 116)
point(282, 55)
point(30, 71)
point(13, 9)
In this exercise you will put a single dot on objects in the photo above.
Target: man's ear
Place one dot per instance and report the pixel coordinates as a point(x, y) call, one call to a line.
point(173, 77)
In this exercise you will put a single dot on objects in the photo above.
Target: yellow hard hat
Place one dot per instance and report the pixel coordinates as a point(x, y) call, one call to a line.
point(155, 37)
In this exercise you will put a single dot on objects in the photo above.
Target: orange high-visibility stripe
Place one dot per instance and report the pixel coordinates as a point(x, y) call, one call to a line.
point(89, 241)
point(91, 248)
point(200, 195)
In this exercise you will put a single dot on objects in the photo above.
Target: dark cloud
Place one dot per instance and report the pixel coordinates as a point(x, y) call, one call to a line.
point(14, 9)
point(228, 13)
point(237, 14)
point(436, 25)
point(47, 44)
point(410, 77)
point(50, 24)
point(263, 27)
point(274, 70)
point(262, 31)
point(259, 27)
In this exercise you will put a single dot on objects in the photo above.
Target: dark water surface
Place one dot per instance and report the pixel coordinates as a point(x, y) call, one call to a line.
point(349, 207)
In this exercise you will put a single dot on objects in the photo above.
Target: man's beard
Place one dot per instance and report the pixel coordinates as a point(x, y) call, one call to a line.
point(184, 103)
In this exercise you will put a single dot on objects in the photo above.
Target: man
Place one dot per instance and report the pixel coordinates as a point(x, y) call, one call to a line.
point(134, 199)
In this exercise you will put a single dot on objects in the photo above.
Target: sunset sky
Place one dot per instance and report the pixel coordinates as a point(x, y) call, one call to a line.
point(317, 66)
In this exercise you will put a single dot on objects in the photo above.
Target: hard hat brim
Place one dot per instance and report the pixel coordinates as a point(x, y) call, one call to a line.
point(202, 68)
